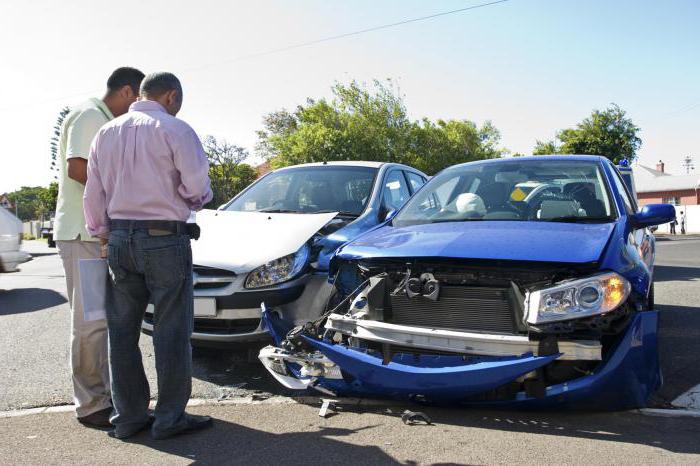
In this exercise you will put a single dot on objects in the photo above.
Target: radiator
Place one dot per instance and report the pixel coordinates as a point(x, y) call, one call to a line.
point(458, 308)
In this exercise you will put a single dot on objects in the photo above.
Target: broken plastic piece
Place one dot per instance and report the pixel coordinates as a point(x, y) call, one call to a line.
point(411, 418)
point(327, 404)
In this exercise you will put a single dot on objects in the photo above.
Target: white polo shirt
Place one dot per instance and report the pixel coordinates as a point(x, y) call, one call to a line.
point(78, 130)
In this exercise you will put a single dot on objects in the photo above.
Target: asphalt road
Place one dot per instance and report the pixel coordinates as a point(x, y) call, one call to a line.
point(35, 326)
point(295, 434)
point(34, 371)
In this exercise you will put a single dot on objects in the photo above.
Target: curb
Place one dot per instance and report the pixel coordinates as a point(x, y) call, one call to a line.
point(309, 400)
point(248, 400)
point(669, 412)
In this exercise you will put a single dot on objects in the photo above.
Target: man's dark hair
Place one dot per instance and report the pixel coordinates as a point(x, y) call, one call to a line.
point(125, 76)
point(157, 84)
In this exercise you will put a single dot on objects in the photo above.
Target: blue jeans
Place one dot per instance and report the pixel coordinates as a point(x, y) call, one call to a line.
point(155, 269)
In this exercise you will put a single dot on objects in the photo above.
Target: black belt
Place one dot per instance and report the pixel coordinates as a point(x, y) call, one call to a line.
point(173, 226)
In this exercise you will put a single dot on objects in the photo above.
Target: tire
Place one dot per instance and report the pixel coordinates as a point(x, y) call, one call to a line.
point(650, 297)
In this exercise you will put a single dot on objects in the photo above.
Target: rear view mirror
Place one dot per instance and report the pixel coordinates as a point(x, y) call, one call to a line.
point(386, 215)
point(654, 214)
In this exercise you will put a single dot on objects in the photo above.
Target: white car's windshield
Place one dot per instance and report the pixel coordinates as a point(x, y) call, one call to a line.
point(310, 190)
point(518, 190)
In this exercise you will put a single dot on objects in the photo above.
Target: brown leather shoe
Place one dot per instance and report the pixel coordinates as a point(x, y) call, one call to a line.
point(97, 420)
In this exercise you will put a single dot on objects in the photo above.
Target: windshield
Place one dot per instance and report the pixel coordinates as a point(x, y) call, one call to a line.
point(518, 190)
point(309, 190)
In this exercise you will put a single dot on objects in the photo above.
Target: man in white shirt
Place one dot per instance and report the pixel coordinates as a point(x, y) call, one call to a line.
point(89, 361)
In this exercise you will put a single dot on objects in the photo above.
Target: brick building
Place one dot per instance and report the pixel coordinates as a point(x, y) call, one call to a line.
point(655, 186)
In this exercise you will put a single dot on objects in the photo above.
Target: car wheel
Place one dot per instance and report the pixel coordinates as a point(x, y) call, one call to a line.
point(650, 297)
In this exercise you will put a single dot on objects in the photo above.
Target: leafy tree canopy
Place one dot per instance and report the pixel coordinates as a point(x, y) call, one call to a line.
point(35, 202)
point(609, 133)
point(227, 172)
point(371, 123)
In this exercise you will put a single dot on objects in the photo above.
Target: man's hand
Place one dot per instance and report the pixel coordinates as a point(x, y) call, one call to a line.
point(103, 248)
point(77, 169)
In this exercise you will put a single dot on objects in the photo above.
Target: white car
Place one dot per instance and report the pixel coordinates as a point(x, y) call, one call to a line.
point(10, 241)
point(273, 242)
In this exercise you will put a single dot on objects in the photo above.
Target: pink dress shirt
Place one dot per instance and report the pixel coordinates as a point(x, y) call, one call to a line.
point(145, 165)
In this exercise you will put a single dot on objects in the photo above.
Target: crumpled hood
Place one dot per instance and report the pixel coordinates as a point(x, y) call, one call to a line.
point(490, 240)
point(242, 241)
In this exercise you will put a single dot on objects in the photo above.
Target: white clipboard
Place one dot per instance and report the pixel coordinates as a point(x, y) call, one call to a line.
point(93, 287)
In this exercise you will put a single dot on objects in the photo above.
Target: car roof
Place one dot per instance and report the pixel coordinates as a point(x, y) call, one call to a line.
point(355, 163)
point(548, 158)
point(344, 163)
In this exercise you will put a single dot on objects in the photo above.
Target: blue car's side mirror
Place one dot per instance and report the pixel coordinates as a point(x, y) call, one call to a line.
point(654, 214)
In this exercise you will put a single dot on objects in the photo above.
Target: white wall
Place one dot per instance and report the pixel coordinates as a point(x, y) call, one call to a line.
point(692, 223)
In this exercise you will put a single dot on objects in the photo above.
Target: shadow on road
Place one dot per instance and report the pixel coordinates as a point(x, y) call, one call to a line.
point(21, 300)
point(664, 273)
point(679, 349)
point(229, 443)
point(42, 254)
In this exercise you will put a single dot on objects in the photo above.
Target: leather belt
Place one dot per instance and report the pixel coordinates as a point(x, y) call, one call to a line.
point(173, 226)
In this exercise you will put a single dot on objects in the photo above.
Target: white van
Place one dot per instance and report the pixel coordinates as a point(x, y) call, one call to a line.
point(10, 241)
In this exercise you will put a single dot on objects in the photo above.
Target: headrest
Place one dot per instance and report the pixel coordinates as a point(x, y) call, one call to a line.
point(471, 204)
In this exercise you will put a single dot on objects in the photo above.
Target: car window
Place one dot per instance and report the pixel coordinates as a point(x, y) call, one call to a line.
point(310, 189)
point(395, 192)
point(415, 180)
point(622, 189)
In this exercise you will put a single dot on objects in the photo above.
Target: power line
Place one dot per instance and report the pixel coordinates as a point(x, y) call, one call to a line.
point(305, 44)
point(347, 34)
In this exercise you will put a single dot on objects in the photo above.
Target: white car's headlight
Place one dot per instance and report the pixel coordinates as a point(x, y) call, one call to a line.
point(279, 270)
point(577, 298)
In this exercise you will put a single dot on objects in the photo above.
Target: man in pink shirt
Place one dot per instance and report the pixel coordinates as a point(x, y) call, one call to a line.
point(146, 172)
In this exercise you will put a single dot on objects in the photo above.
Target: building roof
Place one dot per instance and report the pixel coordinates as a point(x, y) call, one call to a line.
point(649, 180)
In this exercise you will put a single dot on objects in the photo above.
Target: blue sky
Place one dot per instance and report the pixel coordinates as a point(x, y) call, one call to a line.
point(530, 66)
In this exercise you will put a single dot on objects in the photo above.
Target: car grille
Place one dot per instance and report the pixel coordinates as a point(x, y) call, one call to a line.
point(209, 278)
point(479, 309)
point(219, 326)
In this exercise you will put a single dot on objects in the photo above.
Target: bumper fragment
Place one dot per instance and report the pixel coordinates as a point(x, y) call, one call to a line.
point(626, 377)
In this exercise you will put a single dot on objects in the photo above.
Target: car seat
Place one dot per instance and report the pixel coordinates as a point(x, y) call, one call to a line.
point(584, 194)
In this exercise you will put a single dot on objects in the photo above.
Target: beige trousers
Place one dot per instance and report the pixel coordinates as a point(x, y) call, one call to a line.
point(88, 351)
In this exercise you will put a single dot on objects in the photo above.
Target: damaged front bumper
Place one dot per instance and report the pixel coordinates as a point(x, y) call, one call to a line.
point(624, 376)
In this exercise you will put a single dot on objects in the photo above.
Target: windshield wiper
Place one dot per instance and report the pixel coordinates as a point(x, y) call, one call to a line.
point(446, 220)
point(577, 219)
point(278, 211)
point(340, 212)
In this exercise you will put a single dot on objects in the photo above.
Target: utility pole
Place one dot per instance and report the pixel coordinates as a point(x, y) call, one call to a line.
point(688, 163)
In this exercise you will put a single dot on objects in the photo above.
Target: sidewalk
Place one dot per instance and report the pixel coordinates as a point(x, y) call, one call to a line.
point(285, 432)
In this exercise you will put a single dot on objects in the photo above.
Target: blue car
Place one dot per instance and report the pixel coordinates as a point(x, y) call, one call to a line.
point(523, 282)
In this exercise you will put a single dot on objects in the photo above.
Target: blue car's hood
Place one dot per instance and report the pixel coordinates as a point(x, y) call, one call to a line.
point(495, 240)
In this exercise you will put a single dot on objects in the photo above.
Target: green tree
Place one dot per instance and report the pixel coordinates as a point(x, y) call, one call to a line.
point(55, 139)
point(610, 133)
point(371, 123)
point(545, 148)
point(36, 202)
point(227, 173)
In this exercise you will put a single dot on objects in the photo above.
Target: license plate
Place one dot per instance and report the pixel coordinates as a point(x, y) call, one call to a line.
point(205, 307)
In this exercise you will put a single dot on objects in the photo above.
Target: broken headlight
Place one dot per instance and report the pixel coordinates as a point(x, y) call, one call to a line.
point(279, 270)
point(577, 298)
